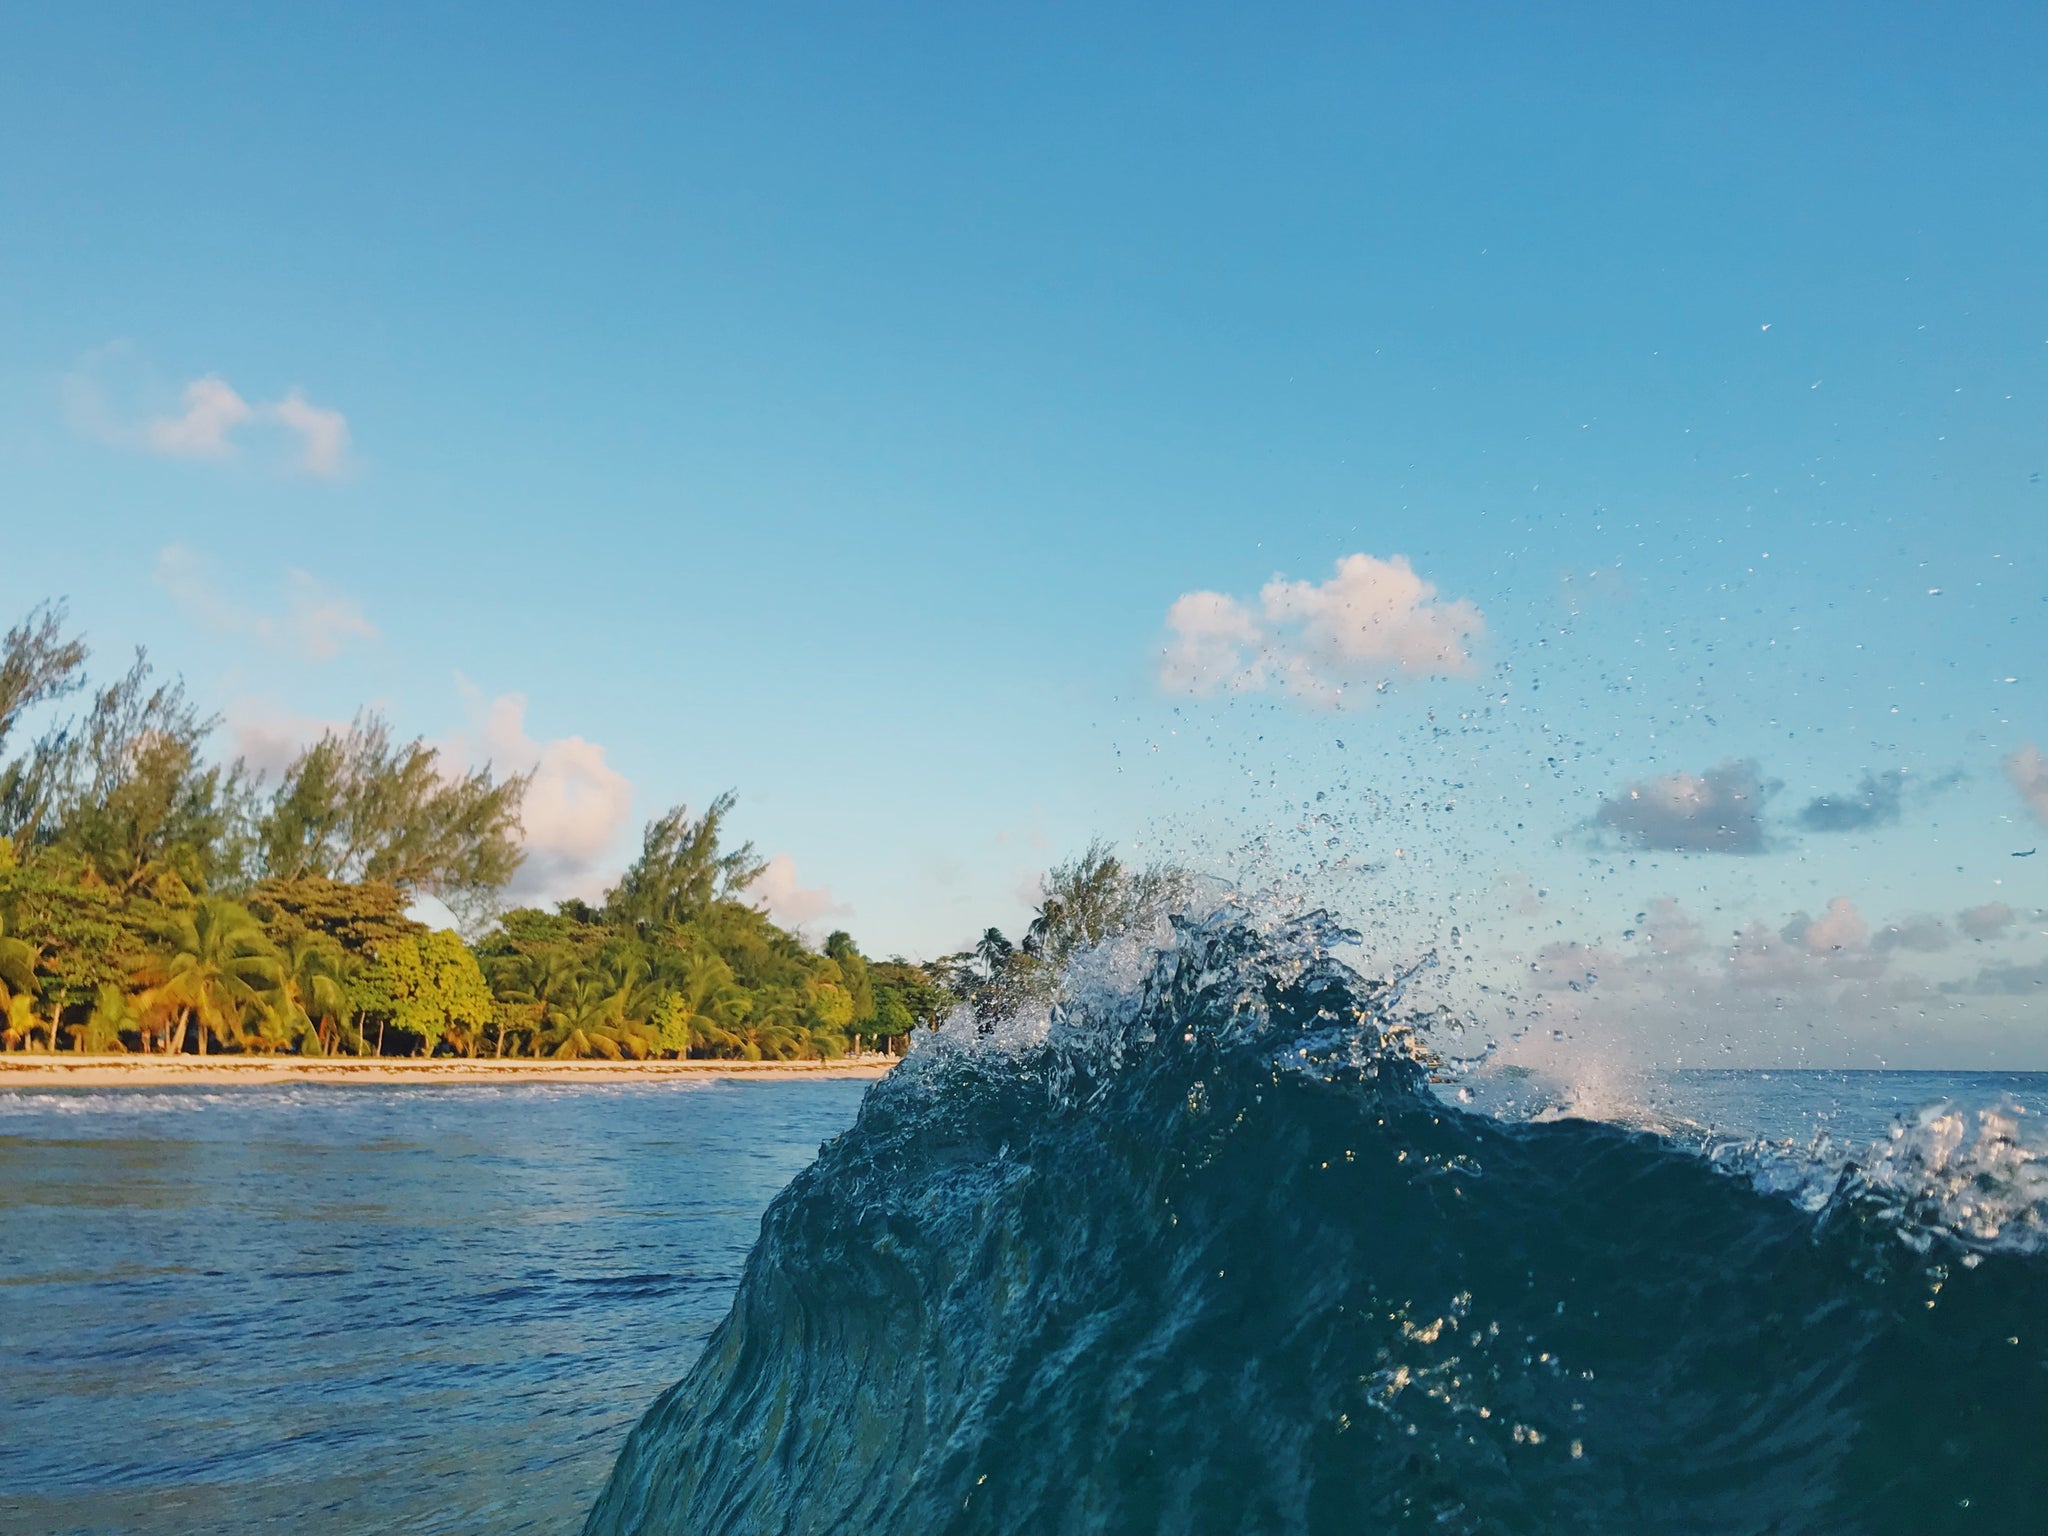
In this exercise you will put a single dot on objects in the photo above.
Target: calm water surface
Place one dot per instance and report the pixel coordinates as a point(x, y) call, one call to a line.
point(424, 1310)
point(342, 1309)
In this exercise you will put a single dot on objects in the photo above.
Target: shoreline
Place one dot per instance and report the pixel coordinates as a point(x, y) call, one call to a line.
point(56, 1070)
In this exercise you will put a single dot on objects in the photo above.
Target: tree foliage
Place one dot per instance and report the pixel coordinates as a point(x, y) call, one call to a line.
point(219, 974)
point(127, 789)
point(682, 869)
point(38, 662)
point(356, 807)
point(431, 987)
point(1094, 897)
point(356, 918)
point(1082, 903)
point(153, 899)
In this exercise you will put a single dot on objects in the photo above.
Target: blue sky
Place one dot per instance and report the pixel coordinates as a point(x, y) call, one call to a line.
point(835, 405)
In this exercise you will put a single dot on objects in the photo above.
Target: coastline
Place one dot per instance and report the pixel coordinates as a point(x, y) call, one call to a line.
point(59, 1070)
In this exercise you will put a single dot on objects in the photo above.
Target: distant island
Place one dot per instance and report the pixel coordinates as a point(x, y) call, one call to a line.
point(154, 902)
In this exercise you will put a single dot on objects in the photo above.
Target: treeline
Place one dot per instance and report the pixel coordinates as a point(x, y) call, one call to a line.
point(152, 899)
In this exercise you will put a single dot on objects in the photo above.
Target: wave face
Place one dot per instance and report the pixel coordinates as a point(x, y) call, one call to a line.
point(1207, 1254)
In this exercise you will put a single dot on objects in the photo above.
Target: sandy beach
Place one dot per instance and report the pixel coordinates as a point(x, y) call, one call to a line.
point(33, 1070)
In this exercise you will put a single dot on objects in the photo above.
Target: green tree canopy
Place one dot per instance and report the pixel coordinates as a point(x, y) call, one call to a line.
point(1090, 898)
point(854, 973)
point(682, 869)
point(127, 789)
point(354, 806)
point(359, 918)
point(218, 972)
point(152, 897)
point(19, 985)
point(37, 663)
point(430, 986)
point(124, 786)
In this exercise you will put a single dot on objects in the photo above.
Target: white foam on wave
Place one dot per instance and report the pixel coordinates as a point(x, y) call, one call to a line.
point(1976, 1175)
point(171, 1099)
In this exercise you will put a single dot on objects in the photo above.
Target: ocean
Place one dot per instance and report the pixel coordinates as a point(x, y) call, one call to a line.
point(363, 1309)
point(1208, 1247)
point(1219, 1257)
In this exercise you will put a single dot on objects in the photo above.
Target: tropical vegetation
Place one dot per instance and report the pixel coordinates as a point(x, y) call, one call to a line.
point(155, 900)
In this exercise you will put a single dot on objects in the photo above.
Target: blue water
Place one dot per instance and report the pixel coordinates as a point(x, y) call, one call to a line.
point(343, 1309)
point(441, 1310)
point(1208, 1251)
point(1850, 1107)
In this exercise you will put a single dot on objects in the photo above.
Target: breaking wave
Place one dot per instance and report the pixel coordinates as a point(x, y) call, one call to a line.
point(1201, 1249)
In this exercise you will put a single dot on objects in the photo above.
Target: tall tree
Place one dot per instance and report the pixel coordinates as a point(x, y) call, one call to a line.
point(37, 663)
point(354, 806)
point(432, 989)
point(1090, 898)
point(86, 934)
point(853, 971)
point(993, 951)
point(126, 789)
point(682, 869)
point(113, 1013)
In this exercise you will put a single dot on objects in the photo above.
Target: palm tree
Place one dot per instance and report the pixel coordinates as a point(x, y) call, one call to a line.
point(18, 1021)
point(113, 1013)
point(530, 983)
point(1094, 896)
point(18, 987)
point(633, 996)
point(581, 1021)
point(314, 989)
point(994, 951)
point(716, 1005)
point(218, 971)
point(984, 976)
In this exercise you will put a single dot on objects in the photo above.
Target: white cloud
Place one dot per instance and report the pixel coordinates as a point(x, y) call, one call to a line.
point(323, 433)
point(574, 811)
point(2028, 771)
point(212, 412)
point(1922, 933)
point(112, 396)
point(1212, 634)
point(1373, 621)
point(1523, 896)
point(1841, 926)
point(1376, 613)
point(1814, 990)
point(777, 893)
point(317, 622)
point(1718, 811)
point(1671, 932)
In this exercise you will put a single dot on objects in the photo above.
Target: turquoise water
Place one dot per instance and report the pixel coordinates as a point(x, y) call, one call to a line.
point(363, 1309)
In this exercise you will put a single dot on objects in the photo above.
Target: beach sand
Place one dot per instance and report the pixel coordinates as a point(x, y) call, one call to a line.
point(27, 1069)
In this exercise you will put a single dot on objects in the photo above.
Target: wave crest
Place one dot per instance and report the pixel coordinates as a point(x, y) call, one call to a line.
point(1972, 1176)
point(1193, 1246)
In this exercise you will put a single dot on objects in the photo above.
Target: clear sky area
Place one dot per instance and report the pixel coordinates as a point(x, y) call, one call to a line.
point(1565, 484)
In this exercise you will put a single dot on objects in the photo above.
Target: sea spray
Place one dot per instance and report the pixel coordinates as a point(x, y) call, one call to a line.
point(1197, 1248)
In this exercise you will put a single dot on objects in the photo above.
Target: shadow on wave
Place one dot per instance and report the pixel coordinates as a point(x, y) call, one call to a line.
point(1207, 1255)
